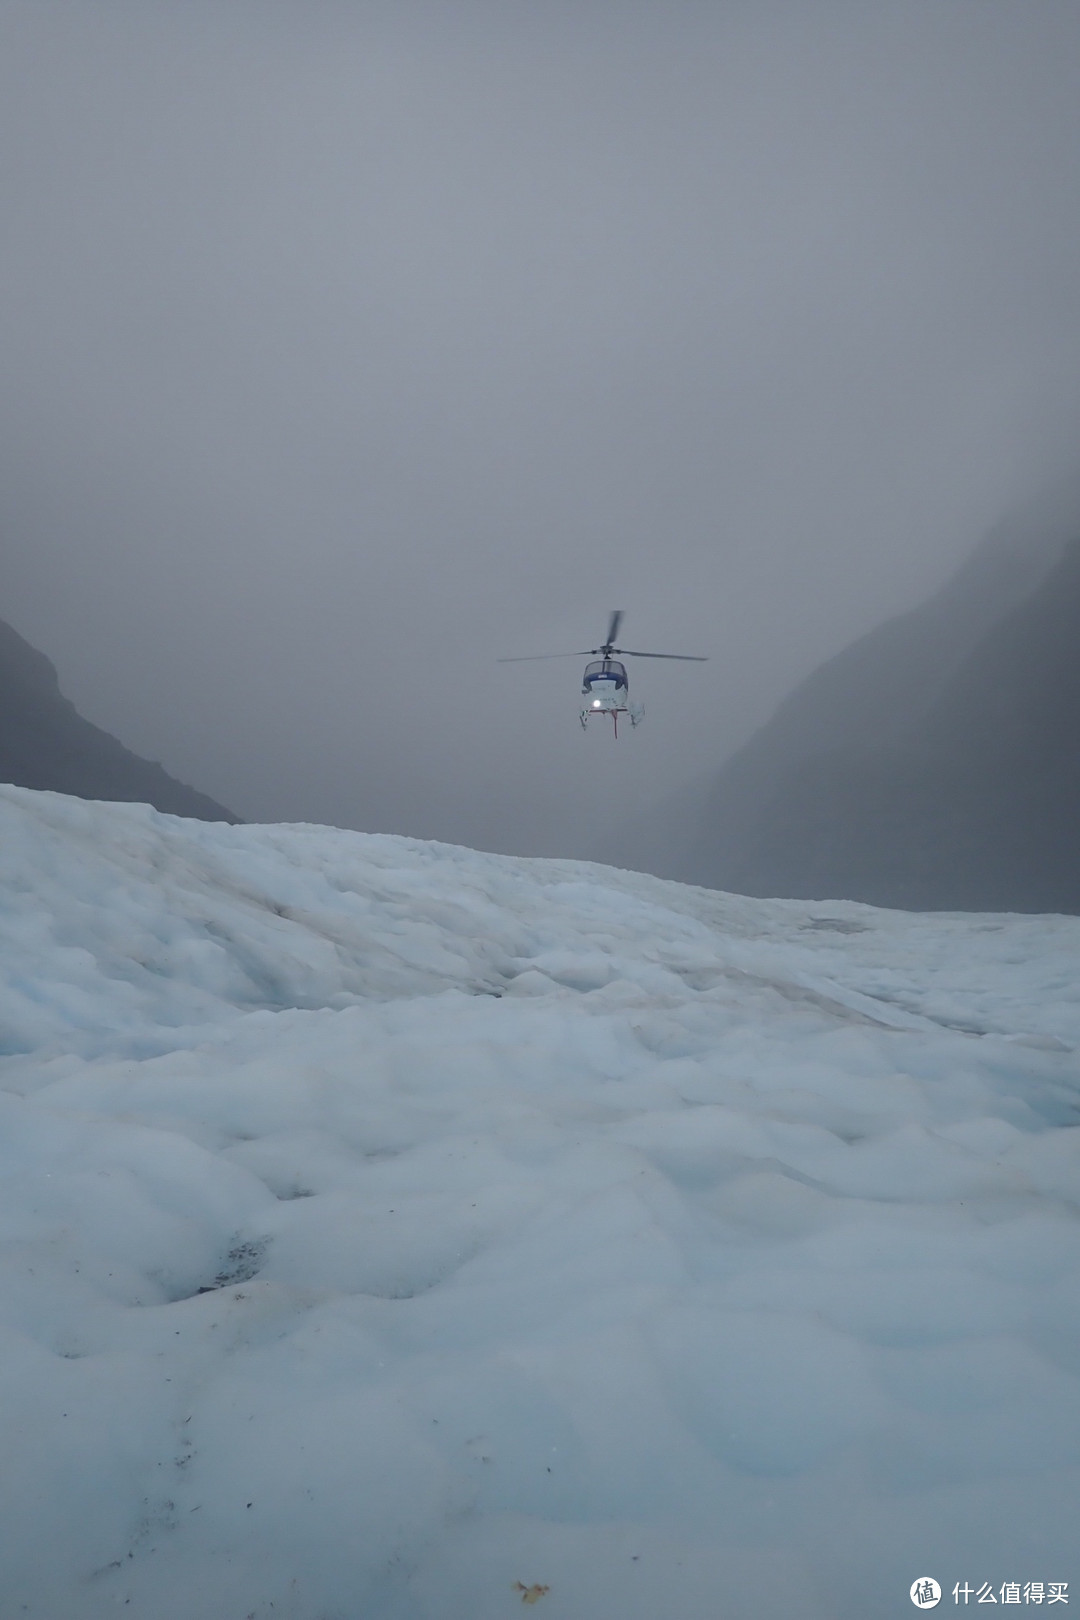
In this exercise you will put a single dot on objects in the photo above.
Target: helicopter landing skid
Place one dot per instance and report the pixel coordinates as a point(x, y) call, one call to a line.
point(635, 711)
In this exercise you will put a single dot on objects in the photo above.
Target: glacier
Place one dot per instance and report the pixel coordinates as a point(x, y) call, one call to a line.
point(391, 1231)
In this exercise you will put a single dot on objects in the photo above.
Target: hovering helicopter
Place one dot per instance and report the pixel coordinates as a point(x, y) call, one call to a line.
point(606, 685)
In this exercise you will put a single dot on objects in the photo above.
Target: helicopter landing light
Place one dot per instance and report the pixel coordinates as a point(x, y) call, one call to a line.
point(596, 703)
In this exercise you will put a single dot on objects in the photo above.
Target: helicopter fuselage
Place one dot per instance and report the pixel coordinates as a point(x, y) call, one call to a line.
point(606, 689)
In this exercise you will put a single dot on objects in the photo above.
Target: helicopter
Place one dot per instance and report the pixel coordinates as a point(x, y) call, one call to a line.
point(605, 684)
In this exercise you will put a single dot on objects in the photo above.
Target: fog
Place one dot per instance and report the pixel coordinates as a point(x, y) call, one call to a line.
point(349, 347)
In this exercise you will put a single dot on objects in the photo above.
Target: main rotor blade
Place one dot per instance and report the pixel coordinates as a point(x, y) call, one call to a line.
point(533, 658)
point(684, 658)
point(613, 627)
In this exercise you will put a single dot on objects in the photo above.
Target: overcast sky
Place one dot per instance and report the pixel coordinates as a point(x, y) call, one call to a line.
point(349, 346)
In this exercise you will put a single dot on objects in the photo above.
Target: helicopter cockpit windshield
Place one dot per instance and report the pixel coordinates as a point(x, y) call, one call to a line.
point(607, 674)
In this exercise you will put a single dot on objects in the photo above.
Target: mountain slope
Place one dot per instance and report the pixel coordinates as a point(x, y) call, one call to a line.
point(45, 743)
point(392, 1230)
point(930, 765)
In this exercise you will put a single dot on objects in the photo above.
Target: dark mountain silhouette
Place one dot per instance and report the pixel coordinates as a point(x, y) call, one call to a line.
point(46, 743)
point(933, 765)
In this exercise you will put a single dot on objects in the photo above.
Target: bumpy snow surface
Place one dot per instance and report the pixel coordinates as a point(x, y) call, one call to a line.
point(393, 1232)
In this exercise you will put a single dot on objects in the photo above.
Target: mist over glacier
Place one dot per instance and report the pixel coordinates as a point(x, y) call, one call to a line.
point(350, 346)
point(397, 1231)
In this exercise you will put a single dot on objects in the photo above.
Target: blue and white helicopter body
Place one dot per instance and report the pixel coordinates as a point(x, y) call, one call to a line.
point(606, 690)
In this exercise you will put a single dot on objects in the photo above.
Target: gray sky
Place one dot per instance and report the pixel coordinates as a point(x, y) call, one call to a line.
point(346, 347)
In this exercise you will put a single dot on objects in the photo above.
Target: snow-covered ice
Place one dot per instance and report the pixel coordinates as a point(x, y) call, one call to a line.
point(391, 1232)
